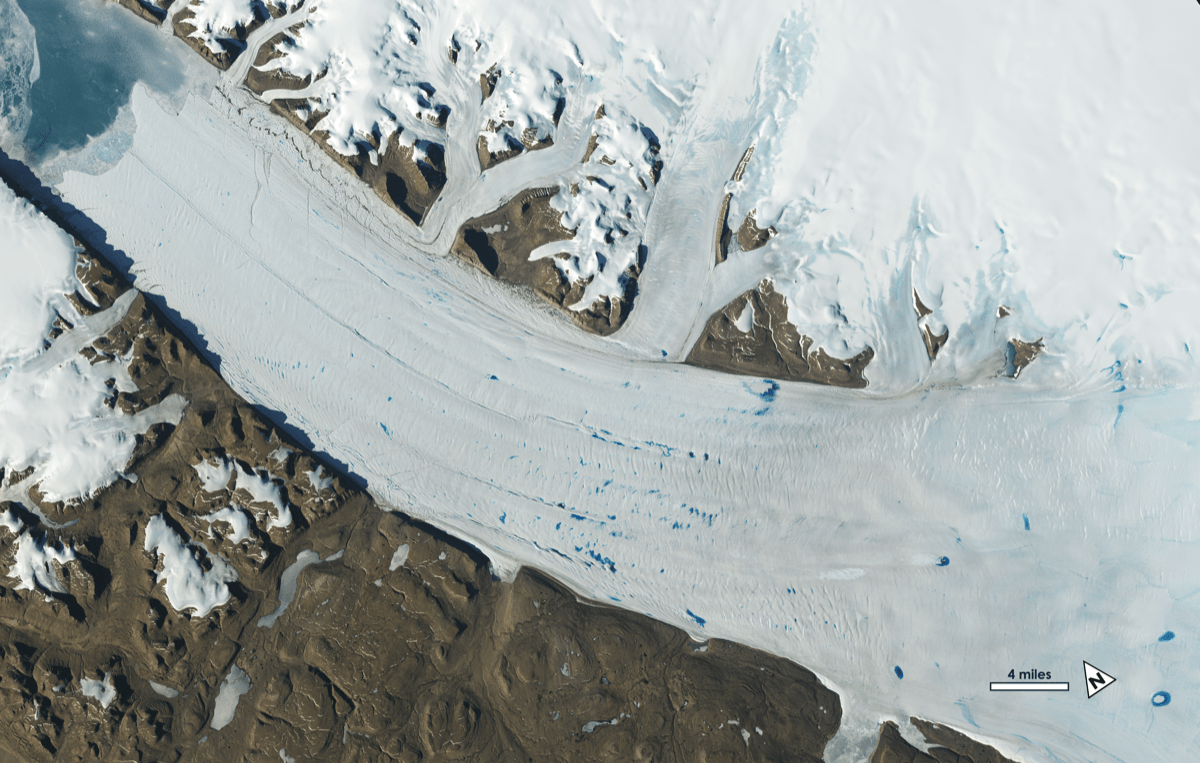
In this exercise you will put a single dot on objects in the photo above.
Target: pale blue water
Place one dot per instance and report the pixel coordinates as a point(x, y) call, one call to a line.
point(91, 55)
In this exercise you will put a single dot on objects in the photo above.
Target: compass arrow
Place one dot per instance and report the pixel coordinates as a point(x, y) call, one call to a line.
point(1095, 679)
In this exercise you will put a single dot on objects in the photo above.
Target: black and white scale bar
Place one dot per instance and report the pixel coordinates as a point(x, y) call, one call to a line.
point(1030, 686)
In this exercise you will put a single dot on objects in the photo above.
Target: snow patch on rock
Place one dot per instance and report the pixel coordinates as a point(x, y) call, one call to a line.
point(185, 582)
point(367, 59)
point(35, 562)
point(236, 518)
point(263, 497)
point(606, 202)
point(101, 690)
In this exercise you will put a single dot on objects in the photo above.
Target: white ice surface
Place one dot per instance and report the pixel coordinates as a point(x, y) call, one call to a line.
point(287, 583)
point(53, 414)
point(9, 521)
point(607, 210)
point(983, 155)
point(214, 474)
point(215, 20)
point(235, 685)
point(745, 319)
point(367, 53)
point(187, 585)
point(101, 690)
point(38, 261)
point(525, 99)
point(747, 509)
point(318, 480)
point(399, 557)
point(164, 691)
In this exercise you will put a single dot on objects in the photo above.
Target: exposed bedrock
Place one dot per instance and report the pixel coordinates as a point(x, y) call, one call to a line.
point(153, 11)
point(752, 336)
point(500, 243)
point(750, 236)
point(1018, 354)
point(406, 181)
point(949, 746)
point(230, 42)
point(933, 341)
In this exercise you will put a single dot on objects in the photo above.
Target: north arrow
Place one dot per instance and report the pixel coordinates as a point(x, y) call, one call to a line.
point(1095, 679)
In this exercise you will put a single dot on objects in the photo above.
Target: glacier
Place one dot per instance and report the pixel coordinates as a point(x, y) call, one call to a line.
point(909, 542)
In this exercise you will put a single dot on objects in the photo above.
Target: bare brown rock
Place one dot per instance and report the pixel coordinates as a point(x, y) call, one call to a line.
point(409, 178)
point(500, 243)
point(151, 11)
point(528, 141)
point(773, 347)
point(750, 236)
point(952, 747)
point(1019, 354)
point(231, 41)
point(933, 342)
point(724, 234)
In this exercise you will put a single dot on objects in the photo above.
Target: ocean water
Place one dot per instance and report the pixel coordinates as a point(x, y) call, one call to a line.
point(67, 69)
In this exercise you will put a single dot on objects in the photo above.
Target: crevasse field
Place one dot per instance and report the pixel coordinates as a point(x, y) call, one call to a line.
point(910, 542)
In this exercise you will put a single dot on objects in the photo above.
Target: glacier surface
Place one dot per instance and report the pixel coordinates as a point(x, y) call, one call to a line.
point(910, 542)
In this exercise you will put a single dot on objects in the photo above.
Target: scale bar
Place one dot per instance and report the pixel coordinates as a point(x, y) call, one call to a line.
point(1030, 686)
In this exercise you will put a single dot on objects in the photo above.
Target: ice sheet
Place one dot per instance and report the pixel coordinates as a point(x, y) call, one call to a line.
point(955, 531)
point(39, 262)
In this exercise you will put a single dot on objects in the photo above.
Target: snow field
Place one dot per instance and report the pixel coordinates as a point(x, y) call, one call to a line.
point(186, 584)
point(53, 411)
point(101, 690)
point(606, 202)
point(367, 60)
point(215, 20)
point(1021, 155)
